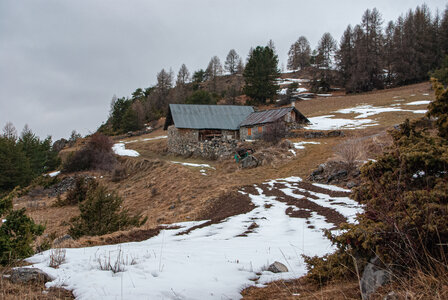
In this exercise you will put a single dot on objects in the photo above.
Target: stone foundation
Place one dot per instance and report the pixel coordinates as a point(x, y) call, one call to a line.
point(186, 142)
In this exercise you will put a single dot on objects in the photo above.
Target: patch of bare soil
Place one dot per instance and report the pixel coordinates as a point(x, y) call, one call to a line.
point(227, 205)
point(133, 235)
point(304, 205)
point(300, 289)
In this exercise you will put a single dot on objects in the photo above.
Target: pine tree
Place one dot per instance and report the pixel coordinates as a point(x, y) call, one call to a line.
point(102, 213)
point(260, 75)
point(14, 166)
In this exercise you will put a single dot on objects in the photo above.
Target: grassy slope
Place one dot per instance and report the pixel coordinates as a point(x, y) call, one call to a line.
point(154, 184)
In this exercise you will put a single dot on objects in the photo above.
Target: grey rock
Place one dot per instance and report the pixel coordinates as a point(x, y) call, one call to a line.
point(173, 206)
point(375, 275)
point(61, 239)
point(26, 275)
point(277, 267)
point(249, 162)
point(337, 175)
point(351, 184)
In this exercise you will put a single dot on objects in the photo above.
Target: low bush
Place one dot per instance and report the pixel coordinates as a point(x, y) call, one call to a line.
point(96, 155)
point(118, 173)
point(405, 197)
point(17, 234)
point(78, 193)
point(101, 213)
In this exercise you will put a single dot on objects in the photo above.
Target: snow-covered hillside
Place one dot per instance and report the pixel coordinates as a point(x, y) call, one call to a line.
point(213, 262)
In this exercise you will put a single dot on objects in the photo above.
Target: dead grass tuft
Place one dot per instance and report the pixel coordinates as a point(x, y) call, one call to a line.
point(57, 257)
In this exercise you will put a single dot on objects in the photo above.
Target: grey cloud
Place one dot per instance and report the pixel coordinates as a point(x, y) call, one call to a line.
point(62, 61)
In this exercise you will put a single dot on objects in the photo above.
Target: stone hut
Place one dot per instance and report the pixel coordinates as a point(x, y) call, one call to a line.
point(257, 123)
point(205, 130)
point(212, 131)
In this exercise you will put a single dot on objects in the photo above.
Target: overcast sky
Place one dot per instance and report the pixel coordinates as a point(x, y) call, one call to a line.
point(62, 61)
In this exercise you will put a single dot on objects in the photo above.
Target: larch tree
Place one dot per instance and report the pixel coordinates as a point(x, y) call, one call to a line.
point(299, 54)
point(326, 48)
point(214, 70)
point(183, 76)
point(344, 55)
point(240, 67)
point(232, 61)
point(9, 131)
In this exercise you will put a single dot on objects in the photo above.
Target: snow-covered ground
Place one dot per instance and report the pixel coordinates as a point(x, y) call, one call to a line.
point(330, 123)
point(297, 90)
point(213, 262)
point(365, 111)
point(360, 121)
point(121, 150)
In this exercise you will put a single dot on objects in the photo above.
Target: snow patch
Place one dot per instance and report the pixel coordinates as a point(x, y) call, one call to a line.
point(55, 173)
point(193, 165)
point(329, 123)
point(422, 102)
point(300, 145)
point(121, 150)
point(331, 187)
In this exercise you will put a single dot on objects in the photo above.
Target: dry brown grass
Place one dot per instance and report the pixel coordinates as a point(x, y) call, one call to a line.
point(300, 289)
point(153, 184)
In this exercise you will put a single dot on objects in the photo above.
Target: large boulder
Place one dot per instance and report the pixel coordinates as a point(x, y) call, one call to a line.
point(249, 162)
point(375, 275)
point(277, 267)
point(27, 275)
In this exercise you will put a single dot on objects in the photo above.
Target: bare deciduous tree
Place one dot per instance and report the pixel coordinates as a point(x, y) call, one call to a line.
point(326, 48)
point(214, 68)
point(164, 81)
point(232, 61)
point(299, 54)
point(183, 76)
point(9, 131)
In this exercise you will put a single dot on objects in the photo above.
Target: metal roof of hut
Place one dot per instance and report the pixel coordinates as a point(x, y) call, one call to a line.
point(196, 116)
point(271, 115)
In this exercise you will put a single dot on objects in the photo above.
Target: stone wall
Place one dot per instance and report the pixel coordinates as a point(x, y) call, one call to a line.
point(186, 142)
point(255, 135)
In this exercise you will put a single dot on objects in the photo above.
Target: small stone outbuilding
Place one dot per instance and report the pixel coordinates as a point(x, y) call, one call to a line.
point(257, 123)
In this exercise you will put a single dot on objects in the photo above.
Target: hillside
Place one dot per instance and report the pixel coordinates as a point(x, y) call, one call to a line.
point(187, 192)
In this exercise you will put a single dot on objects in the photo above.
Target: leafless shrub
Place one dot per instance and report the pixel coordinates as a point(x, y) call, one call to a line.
point(118, 173)
point(350, 152)
point(96, 155)
point(117, 264)
point(57, 257)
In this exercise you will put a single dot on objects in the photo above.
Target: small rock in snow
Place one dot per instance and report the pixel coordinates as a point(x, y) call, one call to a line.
point(277, 267)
